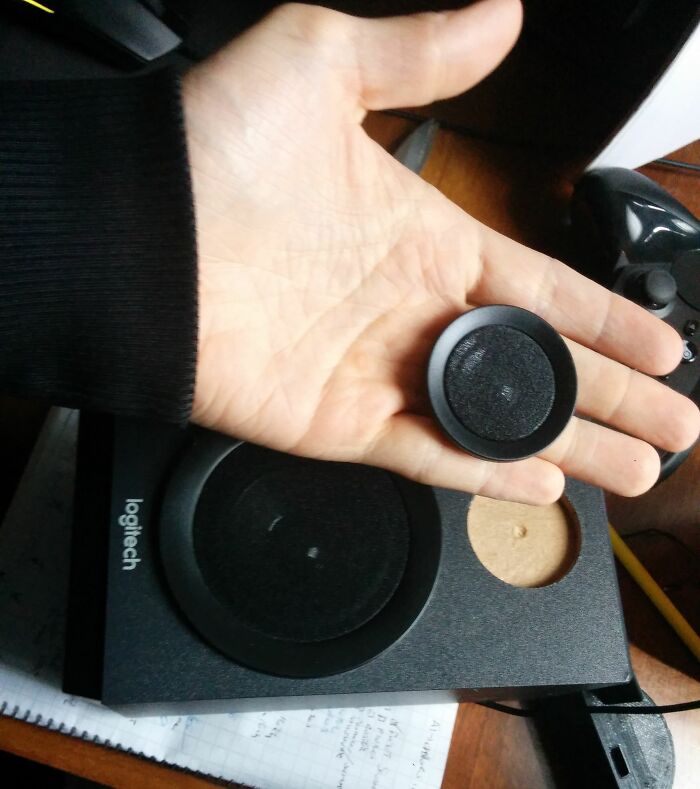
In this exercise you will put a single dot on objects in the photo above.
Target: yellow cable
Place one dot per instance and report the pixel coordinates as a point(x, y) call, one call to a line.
point(654, 592)
point(39, 5)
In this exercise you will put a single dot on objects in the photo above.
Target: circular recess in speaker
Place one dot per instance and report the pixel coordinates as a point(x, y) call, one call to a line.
point(523, 545)
point(502, 383)
point(295, 567)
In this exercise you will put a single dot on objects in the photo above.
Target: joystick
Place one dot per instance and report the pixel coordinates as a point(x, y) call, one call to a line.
point(658, 289)
point(650, 247)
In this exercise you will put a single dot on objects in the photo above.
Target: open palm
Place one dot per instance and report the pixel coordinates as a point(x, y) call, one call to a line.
point(327, 270)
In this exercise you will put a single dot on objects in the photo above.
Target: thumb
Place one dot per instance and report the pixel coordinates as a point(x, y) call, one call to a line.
point(414, 60)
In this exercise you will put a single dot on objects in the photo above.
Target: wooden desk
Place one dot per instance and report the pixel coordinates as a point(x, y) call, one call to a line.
point(523, 195)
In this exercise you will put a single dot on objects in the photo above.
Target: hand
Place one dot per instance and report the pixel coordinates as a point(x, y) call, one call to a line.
point(327, 270)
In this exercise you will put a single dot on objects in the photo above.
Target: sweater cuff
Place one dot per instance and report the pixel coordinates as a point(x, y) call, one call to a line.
point(98, 270)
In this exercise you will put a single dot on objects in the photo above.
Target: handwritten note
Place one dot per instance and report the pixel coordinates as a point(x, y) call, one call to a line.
point(368, 747)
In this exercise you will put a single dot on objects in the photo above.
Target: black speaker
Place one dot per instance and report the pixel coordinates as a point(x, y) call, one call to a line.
point(502, 382)
point(235, 577)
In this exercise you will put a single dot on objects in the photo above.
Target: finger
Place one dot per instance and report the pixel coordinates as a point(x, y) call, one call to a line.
point(576, 306)
point(614, 461)
point(412, 446)
point(417, 59)
point(632, 402)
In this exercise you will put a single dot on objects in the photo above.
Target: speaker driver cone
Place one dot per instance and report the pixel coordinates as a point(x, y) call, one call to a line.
point(291, 566)
point(502, 383)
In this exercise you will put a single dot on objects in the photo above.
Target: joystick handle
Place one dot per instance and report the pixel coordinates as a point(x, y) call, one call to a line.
point(649, 245)
point(657, 289)
point(631, 219)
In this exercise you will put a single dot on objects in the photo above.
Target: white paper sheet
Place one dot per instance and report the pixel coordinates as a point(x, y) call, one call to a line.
point(379, 747)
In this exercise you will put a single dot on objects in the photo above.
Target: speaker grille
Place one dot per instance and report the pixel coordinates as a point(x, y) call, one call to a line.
point(499, 383)
point(300, 550)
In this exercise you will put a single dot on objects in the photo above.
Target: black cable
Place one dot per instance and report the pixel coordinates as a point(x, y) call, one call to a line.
point(677, 163)
point(494, 705)
point(610, 709)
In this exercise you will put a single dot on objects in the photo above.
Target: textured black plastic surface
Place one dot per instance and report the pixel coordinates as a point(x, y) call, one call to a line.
point(604, 750)
point(475, 638)
point(381, 601)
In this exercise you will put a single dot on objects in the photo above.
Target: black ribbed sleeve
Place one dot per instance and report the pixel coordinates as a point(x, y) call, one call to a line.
point(98, 280)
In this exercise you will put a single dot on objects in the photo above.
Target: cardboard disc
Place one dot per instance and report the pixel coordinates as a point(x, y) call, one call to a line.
point(524, 545)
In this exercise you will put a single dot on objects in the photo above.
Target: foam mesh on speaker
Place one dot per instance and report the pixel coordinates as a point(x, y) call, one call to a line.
point(300, 550)
point(499, 383)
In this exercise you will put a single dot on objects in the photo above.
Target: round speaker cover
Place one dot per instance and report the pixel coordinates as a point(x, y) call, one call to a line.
point(502, 382)
point(299, 550)
point(292, 566)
